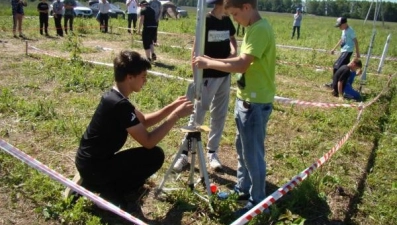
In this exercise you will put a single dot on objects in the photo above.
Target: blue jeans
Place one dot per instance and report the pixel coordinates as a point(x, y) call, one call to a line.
point(251, 120)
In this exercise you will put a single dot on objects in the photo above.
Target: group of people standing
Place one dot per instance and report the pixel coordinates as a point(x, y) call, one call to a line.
point(60, 9)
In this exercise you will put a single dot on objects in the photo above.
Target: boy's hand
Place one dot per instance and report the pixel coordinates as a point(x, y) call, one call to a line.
point(184, 109)
point(201, 62)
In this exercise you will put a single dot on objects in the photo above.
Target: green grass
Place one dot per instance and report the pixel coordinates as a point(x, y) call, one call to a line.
point(46, 103)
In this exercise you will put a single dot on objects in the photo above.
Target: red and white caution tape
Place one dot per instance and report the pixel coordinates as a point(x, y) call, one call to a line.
point(68, 183)
point(279, 99)
point(271, 199)
point(316, 104)
point(383, 90)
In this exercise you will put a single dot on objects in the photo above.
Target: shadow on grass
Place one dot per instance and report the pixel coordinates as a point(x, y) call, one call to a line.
point(165, 66)
point(307, 202)
point(382, 123)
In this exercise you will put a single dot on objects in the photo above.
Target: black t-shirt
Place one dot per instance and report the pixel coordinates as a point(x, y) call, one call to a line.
point(342, 74)
point(150, 17)
point(43, 6)
point(217, 41)
point(106, 134)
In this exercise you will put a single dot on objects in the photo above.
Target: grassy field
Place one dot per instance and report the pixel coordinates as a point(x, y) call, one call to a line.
point(46, 103)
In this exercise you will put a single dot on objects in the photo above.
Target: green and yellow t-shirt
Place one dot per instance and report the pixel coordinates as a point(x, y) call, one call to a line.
point(257, 84)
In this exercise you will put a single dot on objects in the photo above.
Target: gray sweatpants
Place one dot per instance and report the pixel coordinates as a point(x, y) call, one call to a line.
point(214, 98)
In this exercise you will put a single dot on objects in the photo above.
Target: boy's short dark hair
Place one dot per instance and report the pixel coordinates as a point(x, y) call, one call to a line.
point(239, 3)
point(129, 62)
point(357, 62)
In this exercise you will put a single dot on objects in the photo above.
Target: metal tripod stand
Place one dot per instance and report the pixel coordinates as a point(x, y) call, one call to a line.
point(193, 137)
point(195, 147)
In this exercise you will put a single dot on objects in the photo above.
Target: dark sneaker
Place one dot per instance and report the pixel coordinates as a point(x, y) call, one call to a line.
point(154, 56)
point(240, 212)
point(328, 85)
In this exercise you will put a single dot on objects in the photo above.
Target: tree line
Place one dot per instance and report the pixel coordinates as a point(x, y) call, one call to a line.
point(337, 8)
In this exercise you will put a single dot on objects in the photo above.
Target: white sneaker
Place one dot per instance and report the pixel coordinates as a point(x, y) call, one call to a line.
point(180, 163)
point(214, 161)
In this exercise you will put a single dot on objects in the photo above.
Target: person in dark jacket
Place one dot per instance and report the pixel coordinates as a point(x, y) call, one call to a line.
point(43, 7)
point(17, 16)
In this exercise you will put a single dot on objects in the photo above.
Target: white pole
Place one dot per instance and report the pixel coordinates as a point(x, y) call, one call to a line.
point(199, 46)
point(377, 9)
point(369, 10)
point(382, 59)
point(364, 75)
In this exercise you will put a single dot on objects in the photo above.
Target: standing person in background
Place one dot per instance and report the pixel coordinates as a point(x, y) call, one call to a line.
point(255, 95)
point(103, 15)
point(297, 23)
point(347, 43)
point(147, 20)
point(156, 6)
point(43, 7)
point(57, 13)
point(69, 6)
point(132, 11)
point(17, 16)
point(219, 43)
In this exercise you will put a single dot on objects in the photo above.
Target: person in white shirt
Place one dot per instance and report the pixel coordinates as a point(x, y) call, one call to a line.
point(103, 16)
point(132, 11)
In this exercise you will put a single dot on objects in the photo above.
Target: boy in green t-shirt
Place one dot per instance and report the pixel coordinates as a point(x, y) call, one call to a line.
point(255, 94)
